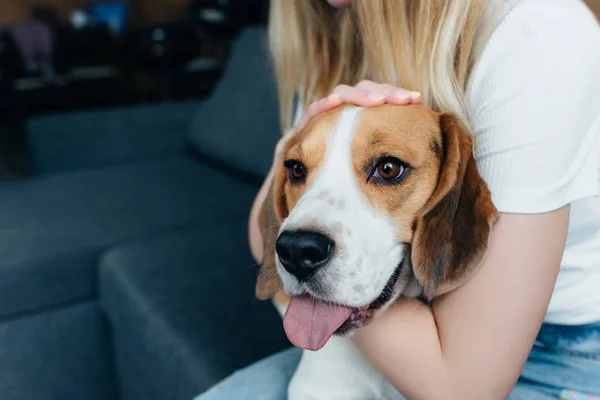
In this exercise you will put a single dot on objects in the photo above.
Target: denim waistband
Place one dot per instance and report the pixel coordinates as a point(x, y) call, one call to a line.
point(576, 340)
point(566, 357)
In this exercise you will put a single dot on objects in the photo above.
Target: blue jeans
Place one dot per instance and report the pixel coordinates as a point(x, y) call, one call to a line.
point(563, 364)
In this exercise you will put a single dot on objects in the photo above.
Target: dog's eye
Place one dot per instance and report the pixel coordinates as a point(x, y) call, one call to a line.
point(297, 171)
point(389, 170)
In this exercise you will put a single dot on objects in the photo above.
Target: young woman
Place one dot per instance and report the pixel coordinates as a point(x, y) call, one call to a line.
point(525, 76)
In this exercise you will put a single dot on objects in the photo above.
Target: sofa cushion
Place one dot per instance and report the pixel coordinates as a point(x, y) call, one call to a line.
point(59, 354)
point(75, 140)
point(54, 229)
point(238, 124)
point(183, 311)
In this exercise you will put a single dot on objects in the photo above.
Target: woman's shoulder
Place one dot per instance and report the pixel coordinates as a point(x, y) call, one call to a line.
point(545, 25)
point(542, 14)
point(539, 43)
point(533, 101)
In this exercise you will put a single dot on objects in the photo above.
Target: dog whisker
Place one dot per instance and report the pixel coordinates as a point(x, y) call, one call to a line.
point(252, 266)
point(269, 228)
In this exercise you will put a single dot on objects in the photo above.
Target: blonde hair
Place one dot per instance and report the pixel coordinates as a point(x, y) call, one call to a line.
point(429, 46)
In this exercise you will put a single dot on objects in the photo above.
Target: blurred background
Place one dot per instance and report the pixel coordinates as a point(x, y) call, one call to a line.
point(67, 55)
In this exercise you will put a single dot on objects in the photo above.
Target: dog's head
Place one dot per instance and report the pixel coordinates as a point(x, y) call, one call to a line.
point(367, 200)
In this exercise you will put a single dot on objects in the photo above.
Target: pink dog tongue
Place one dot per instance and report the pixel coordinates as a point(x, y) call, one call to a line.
point(309, 323)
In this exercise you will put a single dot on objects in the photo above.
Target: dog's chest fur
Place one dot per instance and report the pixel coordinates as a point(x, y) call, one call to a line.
point(337, 372)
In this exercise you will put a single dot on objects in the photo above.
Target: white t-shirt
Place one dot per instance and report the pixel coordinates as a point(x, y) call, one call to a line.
point(534, 106)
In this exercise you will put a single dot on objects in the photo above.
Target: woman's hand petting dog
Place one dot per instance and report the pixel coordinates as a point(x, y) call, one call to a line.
point(365, 94)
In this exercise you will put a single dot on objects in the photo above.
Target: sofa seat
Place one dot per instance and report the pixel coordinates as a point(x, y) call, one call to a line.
point(183, 312)
point(63, 353)
point(97, 138)
point(54, 229)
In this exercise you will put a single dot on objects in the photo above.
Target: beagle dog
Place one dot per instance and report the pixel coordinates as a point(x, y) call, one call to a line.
point(370, 204)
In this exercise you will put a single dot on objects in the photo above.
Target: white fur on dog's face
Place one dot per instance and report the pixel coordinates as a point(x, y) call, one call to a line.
point(367, 246)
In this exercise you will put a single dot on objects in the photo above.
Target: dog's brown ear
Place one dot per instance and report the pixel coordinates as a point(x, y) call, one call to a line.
point(272, 213)
point(280, 206)
point(452, 230)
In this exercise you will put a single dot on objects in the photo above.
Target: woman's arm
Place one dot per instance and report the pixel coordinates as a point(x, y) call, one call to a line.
point(475, 340)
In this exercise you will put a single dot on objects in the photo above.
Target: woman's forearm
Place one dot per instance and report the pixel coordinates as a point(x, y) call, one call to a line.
point(473, 342)
point(405, 345)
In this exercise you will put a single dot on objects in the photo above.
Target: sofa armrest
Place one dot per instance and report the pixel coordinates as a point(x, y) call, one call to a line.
point(98, 138)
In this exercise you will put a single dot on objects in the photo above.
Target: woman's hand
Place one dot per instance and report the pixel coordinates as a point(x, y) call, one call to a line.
point(365, 93)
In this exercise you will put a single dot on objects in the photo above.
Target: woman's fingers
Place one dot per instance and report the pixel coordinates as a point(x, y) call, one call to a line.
point(393, 95)
point(328, 103)
point(415, 98)
point(359, 97)
point(402, 97)
point(342, 94)
point(366, 94)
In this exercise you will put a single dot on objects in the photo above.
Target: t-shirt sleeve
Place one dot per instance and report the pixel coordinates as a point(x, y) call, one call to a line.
point(534, 107)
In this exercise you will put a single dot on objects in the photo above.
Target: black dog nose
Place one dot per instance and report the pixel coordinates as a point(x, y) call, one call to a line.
point(301, 253)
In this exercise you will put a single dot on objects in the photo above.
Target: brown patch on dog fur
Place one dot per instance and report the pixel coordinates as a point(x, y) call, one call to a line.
point(443, 207)
point(336, 228)
point(308, 146)
point(323, 194)
point(404, 132)
point(268, 282)
point(452, 231)
point(437, 149)
point(282, 299)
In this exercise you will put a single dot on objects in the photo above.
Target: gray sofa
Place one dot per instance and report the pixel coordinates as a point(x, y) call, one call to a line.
point(124, 264)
